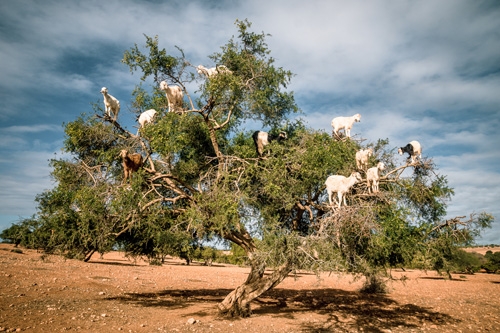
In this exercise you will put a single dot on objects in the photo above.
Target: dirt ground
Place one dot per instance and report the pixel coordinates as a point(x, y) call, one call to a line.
point(40, 293)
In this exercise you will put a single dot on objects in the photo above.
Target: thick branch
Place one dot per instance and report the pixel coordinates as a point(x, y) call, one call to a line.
point(117, 125)
point(242, 239)
point(168, 179)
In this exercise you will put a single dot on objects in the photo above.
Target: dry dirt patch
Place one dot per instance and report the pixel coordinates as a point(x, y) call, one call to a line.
point(40, 293)
point(482, 249)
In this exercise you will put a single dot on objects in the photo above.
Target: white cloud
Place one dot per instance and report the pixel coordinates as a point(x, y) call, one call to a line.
point(21, 129)
point(475, 191)
point(24, 175)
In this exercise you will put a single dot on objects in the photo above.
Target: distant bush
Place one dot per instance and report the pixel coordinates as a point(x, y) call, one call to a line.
point(206, 254)
point(492, 264)
point(209, 255)
point(235, 256)
point(458, 261)
point(467, 262)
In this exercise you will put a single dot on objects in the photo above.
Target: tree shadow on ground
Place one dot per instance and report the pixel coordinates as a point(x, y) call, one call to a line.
point(354, 310)
point(343, 310)
point(112, 263)
point(441, 278)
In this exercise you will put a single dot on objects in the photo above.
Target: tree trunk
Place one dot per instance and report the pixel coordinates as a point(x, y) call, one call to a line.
point(237, 303)
point(88, 255)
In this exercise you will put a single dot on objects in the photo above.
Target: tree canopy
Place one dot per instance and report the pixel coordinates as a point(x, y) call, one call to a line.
point(202, 181)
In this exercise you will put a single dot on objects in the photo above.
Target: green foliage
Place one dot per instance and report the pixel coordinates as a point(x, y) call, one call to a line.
point(156, 63)
point(237, 256)
point(256, 81)
point(17, 233)
point(492, 264)
point(183, 142)
point(468, 262)
point(90, 140)
point(396, 240)
point(207, 254)
point(457, 260)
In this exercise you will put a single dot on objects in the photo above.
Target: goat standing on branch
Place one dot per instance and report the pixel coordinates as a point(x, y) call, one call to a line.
point(362, 157)
point(341, 185)
point(208, 72)
point(262, 139)
point(344, 123)
point(111, 104)
point(174, 96)
point(372, 176)
point(131, 163)
point(146, 117)
point(414, 150)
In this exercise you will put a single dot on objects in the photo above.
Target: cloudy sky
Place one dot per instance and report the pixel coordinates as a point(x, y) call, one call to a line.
point(415, 70)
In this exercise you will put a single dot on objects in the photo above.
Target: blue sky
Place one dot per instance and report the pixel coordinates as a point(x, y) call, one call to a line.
point(415, 70)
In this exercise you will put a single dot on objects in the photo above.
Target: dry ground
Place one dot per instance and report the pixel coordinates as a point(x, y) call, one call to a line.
point(482, 249)
point(40, 293)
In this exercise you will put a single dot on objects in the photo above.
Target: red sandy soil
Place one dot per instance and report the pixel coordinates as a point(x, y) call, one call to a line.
point(47, 293)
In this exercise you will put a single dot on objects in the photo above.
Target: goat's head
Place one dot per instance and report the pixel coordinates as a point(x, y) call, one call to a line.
point(400, 151)
point(357, 175)
point(163, 85)
point(282, 135)
point(357, 117)
point(104, 90)
point(381, 166)
point(123, 153)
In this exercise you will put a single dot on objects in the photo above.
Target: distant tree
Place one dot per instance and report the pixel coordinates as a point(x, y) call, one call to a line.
point(203, 182)
point(18, 233)
point(466, 262)
point(492, 264)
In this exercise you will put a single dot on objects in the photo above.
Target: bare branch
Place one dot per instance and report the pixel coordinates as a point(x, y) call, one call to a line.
point(452, 222)
point(88, 170)
point(217, 126)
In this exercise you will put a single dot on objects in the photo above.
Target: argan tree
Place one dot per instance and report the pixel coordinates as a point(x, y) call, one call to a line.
point(202, 181)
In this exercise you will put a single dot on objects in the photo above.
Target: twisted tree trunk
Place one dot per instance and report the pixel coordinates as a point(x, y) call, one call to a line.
point(237, 303)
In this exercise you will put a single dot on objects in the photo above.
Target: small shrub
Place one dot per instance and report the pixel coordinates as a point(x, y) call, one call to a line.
point(155, 262)
point(374, 285)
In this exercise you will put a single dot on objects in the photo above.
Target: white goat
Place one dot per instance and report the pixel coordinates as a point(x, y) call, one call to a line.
point(262, 139)
point(111, 104)
point(372, 176)
point(174, 96)
point(345, 123)
point(362, 157)
point(414, 150)
point(341, 185)
point(208, 72)
point(146, 117)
